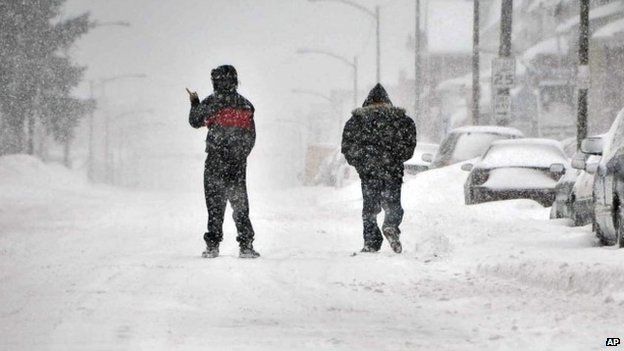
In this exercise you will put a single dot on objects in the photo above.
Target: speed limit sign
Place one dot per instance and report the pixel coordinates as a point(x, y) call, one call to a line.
point(503, 73)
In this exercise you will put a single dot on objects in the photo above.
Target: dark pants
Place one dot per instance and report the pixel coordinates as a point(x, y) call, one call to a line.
point(225, 182)
point(378, 194)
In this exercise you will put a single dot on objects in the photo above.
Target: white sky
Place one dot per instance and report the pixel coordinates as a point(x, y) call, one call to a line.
point(177, 43)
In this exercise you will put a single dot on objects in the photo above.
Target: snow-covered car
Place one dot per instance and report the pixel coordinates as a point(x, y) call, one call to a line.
point(608, 188)
point(516, 169)
point(466, 143)
point(416, 164)
point(573, 197)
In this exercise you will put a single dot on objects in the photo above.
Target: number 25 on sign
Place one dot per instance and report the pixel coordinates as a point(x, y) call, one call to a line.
point(503, 73)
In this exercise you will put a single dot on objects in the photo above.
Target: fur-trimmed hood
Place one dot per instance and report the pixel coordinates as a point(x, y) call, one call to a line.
point(389, 110)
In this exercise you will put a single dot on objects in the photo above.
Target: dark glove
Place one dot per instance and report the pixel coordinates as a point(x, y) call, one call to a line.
point(193, 97)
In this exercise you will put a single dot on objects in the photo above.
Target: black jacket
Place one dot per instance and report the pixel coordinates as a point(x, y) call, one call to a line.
point(377, 139)
point(229, 118)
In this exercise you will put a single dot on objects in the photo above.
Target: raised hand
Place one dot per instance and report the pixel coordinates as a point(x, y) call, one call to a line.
point(193, 97)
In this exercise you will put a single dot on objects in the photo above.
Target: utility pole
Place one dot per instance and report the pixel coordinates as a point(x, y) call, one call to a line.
point(476, 87)
point(503, 68)
point(505, 29)
point(583, 78)
point(417, 65)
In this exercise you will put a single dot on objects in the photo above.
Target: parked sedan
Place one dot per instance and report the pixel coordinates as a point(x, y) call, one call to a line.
point(573, 193)
point(516, 169)
point(608, 189)
point(466, 143)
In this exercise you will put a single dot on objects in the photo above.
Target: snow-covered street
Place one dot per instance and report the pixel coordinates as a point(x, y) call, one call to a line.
point(89, 268)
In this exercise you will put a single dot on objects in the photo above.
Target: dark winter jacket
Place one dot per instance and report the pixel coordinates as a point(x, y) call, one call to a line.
point(229, 118)
point(378, 138)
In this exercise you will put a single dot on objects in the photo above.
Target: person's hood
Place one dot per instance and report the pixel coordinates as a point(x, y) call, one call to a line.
point(377, 95)
point(224, 79)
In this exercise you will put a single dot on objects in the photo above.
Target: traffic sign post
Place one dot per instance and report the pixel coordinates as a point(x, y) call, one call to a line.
point(503, 79)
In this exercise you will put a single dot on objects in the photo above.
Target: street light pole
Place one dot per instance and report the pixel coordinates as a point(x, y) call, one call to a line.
point(376, 16)
point(101, 83)
point(353, 65)
point(90, 168)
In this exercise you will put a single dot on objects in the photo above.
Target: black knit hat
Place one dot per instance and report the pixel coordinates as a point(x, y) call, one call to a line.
point(224, 78)
point(377, 96)
point(225, 71)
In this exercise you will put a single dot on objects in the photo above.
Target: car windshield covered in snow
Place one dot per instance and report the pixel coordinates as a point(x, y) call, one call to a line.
point(470, 142)
point(529, 153)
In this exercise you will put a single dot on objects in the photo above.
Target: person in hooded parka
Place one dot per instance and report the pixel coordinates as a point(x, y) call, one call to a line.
point(229, 118)
point(377, 140)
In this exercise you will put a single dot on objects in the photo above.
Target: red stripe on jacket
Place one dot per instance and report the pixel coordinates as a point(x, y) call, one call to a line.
point(232, 117)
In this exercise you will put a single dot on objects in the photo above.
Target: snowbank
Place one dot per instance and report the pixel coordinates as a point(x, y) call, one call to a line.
point(23, 176)
point(547, 254)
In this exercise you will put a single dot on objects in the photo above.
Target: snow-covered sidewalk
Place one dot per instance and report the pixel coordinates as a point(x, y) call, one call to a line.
point(95, 268)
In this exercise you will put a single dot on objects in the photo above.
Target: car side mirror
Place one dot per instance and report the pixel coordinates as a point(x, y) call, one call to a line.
point(591, 168)
point(578, 163)
point(467, 167)
point(592, 146)
point(427, 157)
point(557, 168)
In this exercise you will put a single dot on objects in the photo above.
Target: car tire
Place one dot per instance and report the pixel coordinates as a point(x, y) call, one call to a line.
point(577, 219)
point(468, 197)
point(554, 214)
point(600, 235)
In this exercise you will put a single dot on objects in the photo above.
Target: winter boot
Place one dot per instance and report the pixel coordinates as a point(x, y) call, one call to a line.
point(212, 251)
point(368, 248)
point(247, 251)
point(392, 235)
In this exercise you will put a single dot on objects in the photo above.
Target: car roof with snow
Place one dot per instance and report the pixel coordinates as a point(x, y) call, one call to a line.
point(489, 130)
point(530, 152)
